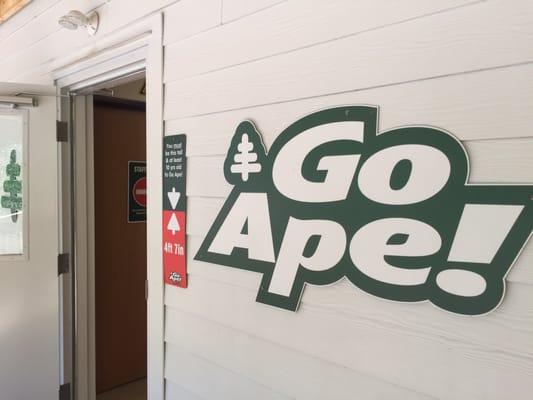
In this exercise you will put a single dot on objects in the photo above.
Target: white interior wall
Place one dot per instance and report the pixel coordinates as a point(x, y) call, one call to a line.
point(462, 65)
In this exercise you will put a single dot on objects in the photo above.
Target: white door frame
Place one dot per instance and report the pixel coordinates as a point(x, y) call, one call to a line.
point(132, 49)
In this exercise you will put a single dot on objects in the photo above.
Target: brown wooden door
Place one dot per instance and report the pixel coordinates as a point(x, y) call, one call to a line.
point(120, 259)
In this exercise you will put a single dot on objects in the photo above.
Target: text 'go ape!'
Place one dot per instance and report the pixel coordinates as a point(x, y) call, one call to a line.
point(392, 212)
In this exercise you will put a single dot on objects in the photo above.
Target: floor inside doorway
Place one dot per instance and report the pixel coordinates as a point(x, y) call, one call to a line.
point(130, 391)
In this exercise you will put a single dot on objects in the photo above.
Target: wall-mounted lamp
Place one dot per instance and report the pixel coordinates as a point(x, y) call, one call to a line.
point(74, 19)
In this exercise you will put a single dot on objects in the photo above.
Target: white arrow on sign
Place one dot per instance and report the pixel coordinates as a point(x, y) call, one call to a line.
point(174, 197)
point(173, 224)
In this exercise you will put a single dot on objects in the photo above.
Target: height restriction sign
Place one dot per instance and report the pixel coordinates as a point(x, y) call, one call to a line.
point(174, 211)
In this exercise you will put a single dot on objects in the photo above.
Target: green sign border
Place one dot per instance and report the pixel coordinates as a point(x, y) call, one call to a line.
point(442, 212)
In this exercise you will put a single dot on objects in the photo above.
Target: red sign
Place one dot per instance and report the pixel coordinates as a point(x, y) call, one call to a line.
point(136, 191)
point(174, 248)
point(174, 211)
point(139, 192)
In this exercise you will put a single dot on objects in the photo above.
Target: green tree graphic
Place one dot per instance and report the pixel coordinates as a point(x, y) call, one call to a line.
point(12, 187)
point(245, 156)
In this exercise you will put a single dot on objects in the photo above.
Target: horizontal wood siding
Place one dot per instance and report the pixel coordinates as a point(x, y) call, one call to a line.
point(286, 27)
point(176, 392)
point(445, 64)
point(234, 9)
point(462, 65)
point(453, 42)
point(274, 365)
point(483, 105)
point(187, 18)
point(190, 371)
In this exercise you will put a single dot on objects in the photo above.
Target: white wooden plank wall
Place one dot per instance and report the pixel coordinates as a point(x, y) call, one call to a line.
point(463, 65)
point(447, 64)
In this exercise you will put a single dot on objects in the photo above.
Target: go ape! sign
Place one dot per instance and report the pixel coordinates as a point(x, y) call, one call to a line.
point(392, 212)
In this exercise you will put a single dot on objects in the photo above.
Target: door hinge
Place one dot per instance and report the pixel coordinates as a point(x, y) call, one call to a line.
point(63, 264)
point(62, 131)
point(146, 290)
point(64, 391)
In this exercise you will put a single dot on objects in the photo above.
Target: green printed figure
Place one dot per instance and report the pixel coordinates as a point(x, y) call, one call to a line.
point(13, 187)
point(246, 155)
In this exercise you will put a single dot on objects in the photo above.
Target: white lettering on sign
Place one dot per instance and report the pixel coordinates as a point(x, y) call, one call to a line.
point(340, 170)
point(429, 172)
point(251, 213)
point(173, 248)
point(328, 252)
point(482, 228)
point(370, 247)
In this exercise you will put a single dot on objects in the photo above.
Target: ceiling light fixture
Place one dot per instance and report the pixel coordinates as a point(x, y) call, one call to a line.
point(74, 19)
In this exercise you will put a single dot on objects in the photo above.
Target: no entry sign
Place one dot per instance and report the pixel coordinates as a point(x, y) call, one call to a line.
point(136, 191)
point(139, 192)
point(174, 211)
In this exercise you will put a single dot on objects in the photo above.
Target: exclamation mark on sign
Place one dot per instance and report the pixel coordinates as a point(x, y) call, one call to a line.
point(480, 234)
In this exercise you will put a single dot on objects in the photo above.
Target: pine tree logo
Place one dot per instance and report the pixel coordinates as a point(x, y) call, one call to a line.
point(328, 204)
point(246, 155)
point(173, 224)
point(12, 187)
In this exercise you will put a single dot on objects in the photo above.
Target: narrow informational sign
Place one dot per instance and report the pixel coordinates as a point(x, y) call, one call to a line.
point(174, 211)
point(136, 191)
point(392, 212)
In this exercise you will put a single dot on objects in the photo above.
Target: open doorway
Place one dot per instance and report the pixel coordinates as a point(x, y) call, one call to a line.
point(133, 54)
point(120, 268)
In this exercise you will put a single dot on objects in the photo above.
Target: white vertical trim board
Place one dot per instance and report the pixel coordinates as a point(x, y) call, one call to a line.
point(84, 261)
point(91, 374)
point(154, 160)
point(89, 70)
